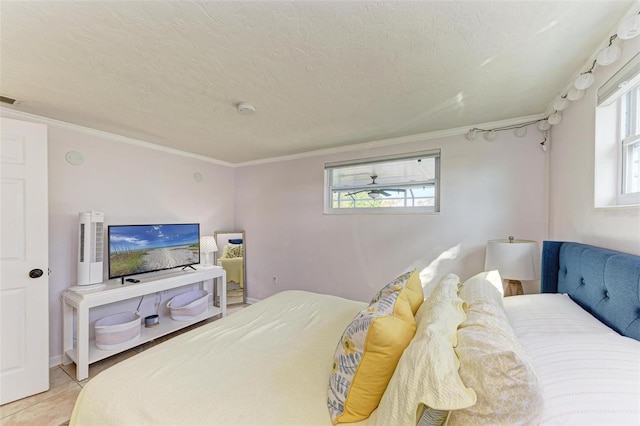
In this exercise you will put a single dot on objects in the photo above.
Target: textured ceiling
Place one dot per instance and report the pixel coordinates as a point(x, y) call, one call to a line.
point(320, 74)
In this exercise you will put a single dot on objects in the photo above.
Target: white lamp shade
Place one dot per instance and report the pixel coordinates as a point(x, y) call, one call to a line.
point(575, 94)
point(555, 118)
point(584, 81)
point(208, 245)
point(491, 135)
point(560, 104)
point(608, 55)
point(629, 27)
point(515, 260)
point(543, 125)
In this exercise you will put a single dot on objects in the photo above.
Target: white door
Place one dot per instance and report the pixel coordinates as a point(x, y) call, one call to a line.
point(24, 285)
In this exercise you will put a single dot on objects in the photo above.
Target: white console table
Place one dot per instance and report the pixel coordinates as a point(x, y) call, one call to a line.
point(79, 303)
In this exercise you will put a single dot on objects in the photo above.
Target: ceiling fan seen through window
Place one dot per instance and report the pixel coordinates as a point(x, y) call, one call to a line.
point(375, 193)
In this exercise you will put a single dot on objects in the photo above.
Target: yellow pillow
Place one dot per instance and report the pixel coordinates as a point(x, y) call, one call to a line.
point(366, 357)
point(232, 251)
point(409, 284)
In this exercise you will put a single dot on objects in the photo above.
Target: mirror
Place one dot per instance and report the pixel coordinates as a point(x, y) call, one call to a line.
point(231, 256)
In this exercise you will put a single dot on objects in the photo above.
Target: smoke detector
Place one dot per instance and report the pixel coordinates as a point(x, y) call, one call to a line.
point(245, 108)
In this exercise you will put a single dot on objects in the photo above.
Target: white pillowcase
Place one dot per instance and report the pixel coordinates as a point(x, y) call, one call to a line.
point(497, 368)
point(485, 286)
point(550, 313)
point(427, 373)
point(445, 289)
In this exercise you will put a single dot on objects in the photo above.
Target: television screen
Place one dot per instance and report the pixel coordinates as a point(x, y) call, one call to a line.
point(138, 249)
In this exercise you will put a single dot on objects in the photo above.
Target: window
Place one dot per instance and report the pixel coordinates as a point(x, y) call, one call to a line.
point(406, 183)
point(630, 130)
point(617, 162)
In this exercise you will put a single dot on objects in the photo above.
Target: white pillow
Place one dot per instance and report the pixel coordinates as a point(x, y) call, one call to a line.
point(485, 286)
point(427, 373)
point(550, 313)
point(446, 288)
point(497, 368)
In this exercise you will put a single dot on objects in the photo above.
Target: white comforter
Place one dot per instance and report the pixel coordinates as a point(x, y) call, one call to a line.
point(268, 364)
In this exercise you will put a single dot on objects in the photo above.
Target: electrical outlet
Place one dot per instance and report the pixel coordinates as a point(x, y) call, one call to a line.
point(274, 280)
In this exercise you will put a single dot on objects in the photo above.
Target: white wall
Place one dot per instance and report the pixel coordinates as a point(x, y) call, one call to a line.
point(573, 216)
point(130, 184)
point(489, 190)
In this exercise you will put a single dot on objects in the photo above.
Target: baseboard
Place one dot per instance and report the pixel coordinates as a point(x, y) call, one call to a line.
point(55, 361)
point(252, 301)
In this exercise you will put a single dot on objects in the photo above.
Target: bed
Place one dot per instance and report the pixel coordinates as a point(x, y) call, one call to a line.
point(463, 355)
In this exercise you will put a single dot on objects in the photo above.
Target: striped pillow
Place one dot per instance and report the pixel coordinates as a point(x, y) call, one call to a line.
point(432, 417)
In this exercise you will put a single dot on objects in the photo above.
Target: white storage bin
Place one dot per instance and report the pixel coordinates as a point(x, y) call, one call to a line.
point(187, 306)
point(115, 330)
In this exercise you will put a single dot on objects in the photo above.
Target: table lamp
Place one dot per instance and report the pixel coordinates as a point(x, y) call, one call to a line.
point(515, 260)
point(207, 245)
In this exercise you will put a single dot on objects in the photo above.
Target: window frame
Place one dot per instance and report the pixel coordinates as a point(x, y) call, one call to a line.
point(617, 128)
point(435, 182)
point(629, 135)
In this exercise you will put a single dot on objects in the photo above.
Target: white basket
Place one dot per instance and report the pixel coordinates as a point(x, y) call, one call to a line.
point(115, 330)
point(187, 306)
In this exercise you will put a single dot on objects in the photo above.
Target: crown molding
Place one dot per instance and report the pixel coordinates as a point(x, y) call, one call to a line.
point(11, 113)
point(20, 115)
point(421, 137)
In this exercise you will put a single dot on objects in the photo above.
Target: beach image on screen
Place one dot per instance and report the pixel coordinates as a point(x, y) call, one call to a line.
point(135, 249)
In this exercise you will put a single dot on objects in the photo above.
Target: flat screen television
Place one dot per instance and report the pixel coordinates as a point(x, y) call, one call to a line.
point(139, 249)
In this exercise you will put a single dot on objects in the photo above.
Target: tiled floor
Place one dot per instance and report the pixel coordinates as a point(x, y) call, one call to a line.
point(54, 407)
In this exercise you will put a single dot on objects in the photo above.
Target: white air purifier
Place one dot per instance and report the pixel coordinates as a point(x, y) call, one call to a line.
point(90, 248)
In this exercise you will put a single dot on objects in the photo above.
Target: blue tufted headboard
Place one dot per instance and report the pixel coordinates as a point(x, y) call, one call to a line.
point(604, 282)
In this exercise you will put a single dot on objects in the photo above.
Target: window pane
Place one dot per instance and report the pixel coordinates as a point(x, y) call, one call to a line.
point(631, 141)
point(630, 113)
point(636, 118)
point(632, 166)
point(408, 184)
point(399, 196)
point(386, 173)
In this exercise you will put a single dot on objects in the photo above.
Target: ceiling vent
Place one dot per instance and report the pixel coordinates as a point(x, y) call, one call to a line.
point(7, 100)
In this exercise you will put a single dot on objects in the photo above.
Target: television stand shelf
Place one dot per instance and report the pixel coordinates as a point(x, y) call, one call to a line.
point(78, 303)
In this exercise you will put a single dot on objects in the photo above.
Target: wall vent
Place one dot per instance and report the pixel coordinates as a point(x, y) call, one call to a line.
point(7, 100)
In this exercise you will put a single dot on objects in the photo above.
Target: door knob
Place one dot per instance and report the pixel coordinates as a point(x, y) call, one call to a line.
point(35, 273)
